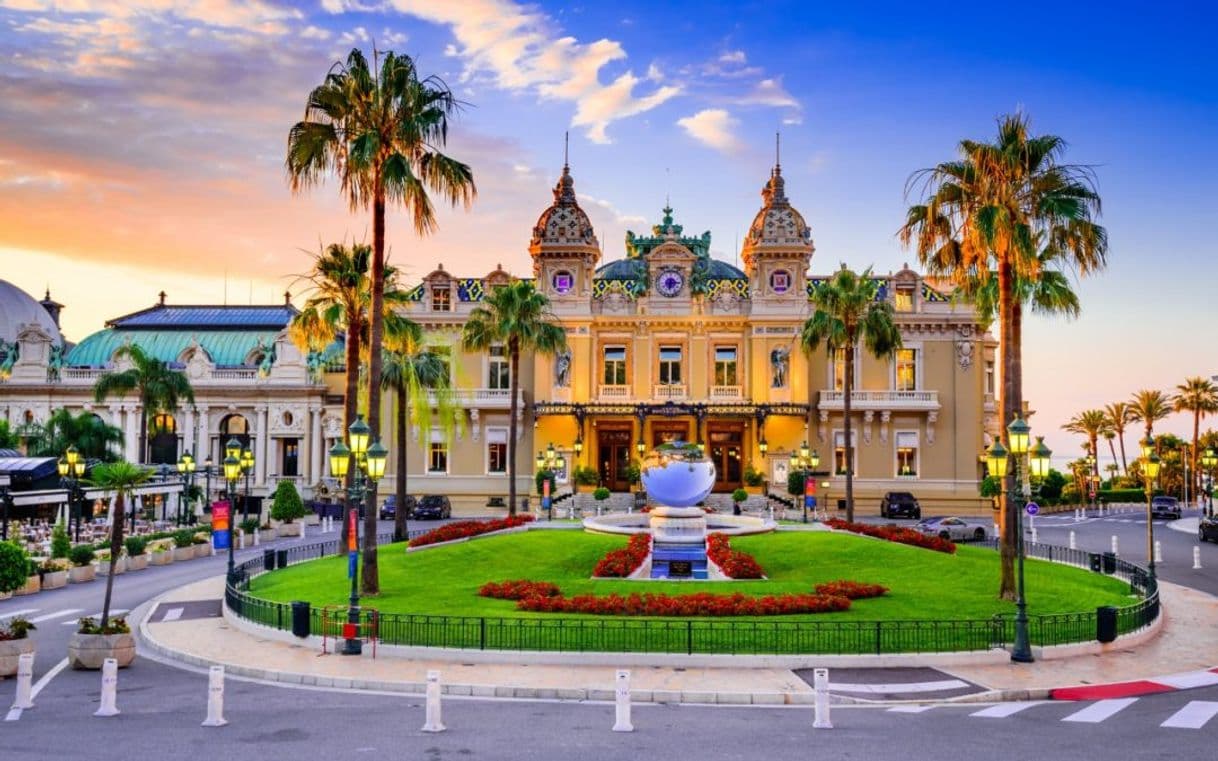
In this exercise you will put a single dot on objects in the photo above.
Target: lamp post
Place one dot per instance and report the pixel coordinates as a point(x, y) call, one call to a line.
point(6, 500)
point(71, 469)
point(207, 470)
point(1150, 471)
point(1208, 461)
point(247, 466)
point(546, 462)
point(371, 463)
point(232, 472)
point(186, 466)
point(805, 459)
point(1092, 493)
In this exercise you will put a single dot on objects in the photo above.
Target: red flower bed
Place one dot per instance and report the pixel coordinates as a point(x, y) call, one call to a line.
point(733, 563)
point(463, 529)
point(896, 534)
point(851, 590)
point(622, 563)
point(518, 589)
point(697, 604)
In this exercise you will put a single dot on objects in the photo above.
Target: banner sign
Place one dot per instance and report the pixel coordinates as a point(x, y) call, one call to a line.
point(353, 530)
point(221, 525)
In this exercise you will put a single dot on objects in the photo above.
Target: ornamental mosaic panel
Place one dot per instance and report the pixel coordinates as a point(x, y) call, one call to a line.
point(415, 294)
point(602, 287)
point(739, 287)
point(470, 289)
point(932, 296)
point(881, 293)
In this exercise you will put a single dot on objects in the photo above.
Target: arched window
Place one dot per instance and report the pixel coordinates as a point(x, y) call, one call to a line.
point(233, 427)
point(163, 439)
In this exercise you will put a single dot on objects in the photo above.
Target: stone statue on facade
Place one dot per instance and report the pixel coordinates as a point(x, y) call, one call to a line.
point(8, 356)
point(56, 362)
point(780, 363)
point(562, 370)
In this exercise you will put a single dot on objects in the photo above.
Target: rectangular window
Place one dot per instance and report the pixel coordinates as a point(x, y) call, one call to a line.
point(839, 370)
point(499, 373)
point(445, 355)
point(615, 365)
point(441, 299)
point(437, 461)
point(989, 377)
point(670, 365)
point(903, 300)
point(496, 450)
point(725, 366)
point(839, 452)
point(907, 369)
point(291, 457)
point(907, 453)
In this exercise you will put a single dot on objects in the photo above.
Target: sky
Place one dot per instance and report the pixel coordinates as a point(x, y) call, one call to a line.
point(142, 145)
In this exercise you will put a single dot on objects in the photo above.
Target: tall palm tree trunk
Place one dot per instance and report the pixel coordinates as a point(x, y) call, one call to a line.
point(1124, 463)
point(116, 546)
point(350, 409)
point(1112, 450)
point(1193, 457)
point(848, 385)
point(142, 457)
point(371, 577)
point(399, 514)
point(514, 354)
point(1010, 408)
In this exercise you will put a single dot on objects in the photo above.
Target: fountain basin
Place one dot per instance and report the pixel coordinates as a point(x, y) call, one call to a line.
point(637, 523)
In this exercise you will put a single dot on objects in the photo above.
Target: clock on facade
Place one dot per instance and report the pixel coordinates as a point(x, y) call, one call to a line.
point(670, 282)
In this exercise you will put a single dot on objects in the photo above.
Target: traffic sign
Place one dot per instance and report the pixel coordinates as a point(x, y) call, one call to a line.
point(1032, 508)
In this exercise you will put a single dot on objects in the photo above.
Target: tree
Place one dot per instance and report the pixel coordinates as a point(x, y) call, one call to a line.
point(419, 377)
point(1119, 416)
point(93, 437)
point(8, 438)
point(380, 130)
point(518, 317)
point(993, 212)
point(1092, 424)
point(121, 478)
point(286, 505)
point(1147, 407)
point(1198, 396)
point(849, 312)
point(159, 387)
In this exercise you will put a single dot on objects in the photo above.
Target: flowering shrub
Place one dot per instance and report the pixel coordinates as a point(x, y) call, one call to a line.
point(463, 529)
point(851, 590)
point(518, 589)
point(895, 534)
point(622, 563)
point(697, 604)
point(733, 563)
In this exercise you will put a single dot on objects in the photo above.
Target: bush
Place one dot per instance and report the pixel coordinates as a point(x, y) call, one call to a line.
point(753, 477)
point(249, 525)
point(464, 529)
point(601, 494)
point(546, 475)
point(519, 589)
point(81, 555)
point(135, 545)
point(286, 505)
point(851, 590)
point(634, 472)
point(184, 537)
point(15, 628)
point(740, 495)
point(1122, 495)
point(584, 475)
point(896, 534)
point(116, 625)
point(795, 483)
point(60, 543)
point(14, 566)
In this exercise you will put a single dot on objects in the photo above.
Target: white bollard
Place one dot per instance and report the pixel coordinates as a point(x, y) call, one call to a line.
point(1073, 546)
point(215, 698)
point(433, 722)
point(256, 538)
point(1196, 558)
point(109, 689)
point(303, 526)
point(25, 679)
point(1033, 535)
point(621, 695)
point(1158, 551)
point(1032, 523)
point(996, 530)
point(820, 684)
point(241, 539)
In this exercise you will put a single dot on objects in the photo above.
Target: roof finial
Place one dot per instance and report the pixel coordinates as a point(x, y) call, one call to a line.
point(566, 145)
point(778, 152)
point(162, 295)
point(287, 298)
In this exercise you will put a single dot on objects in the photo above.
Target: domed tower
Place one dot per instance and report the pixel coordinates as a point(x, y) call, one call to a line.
point(778, 247)
point(564, 247)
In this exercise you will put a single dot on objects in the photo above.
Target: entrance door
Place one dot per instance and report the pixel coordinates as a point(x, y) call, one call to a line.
point(667, 431)
point(726, 450)
point(613, 457)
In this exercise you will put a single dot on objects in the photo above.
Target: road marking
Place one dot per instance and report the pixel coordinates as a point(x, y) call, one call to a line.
point(1100, 710)
point(910, 709)
point(97, 616)
point(22, 612)
point(47, 677)
point(173, 614)
point(49, 616)
point(1194, 715)
point(1189, 679)
point(1003, 710)
point(946, 684)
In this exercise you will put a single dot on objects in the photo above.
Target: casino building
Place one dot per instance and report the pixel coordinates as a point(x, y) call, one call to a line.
point(665, 342)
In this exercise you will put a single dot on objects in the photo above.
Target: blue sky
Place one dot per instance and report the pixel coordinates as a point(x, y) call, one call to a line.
point(145, 137)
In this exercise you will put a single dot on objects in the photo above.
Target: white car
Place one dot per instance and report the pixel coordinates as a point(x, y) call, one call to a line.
point(955, 529)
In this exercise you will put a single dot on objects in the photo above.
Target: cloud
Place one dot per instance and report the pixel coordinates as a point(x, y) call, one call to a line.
point(315, 33)
point(714, 127)
point(769, 92)
point(733, 56)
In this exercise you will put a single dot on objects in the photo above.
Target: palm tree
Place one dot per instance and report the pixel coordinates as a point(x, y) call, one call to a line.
point(848, 313)
point(418, 377)
point(159, 388)
point(518, 317)
point(1092, 424)
point(1147, 407)
point(92, 436)
point(1198, 396)
point(995, 209)
point(380, 130)
point(120, 477)
point(8, 438)
point(1119, 415)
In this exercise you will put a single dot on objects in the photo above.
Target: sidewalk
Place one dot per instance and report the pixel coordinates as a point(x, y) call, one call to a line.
point(1182, 645)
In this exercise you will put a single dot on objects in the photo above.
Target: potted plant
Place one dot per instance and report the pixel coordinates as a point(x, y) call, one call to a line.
point(33, 579)
point(95, 641)
point(738, 496)
point(14, 568)
point(287, 507)
point(266, 532)
point(54, 573)
point(248, 527)
point(754, 480)
point(584, 477)
point(184, 544)
point(106, 564)
point(202, 544)
point(137, 557)
point(160, 553)
point(82, 570)
point(14, 642)
point(61, 544)
point(600, 495)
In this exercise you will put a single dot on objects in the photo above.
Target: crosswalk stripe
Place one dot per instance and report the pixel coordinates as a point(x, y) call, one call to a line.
point(910, 709)
point(1003, 710)
point(97, 616)
point(1100, 710)
point(22, 612)
point(1189, 679)
point(907, 687)
point(1194, 715)
point(173, 614)
point(60, 614)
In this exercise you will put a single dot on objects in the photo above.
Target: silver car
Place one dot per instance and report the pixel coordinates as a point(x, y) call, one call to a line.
point(955, 529)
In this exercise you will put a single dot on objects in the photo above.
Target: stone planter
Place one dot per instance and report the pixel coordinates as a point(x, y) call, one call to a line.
point(137, 562)
point(81, 573)
point(54, 579)
point(289, 529)
point(33, 585)
point(161, 558)
point(313, 519)
point(5, 595)
point(267, 535)
point(202, 550)
point(183, 553)
point(104, 567)
point(89, 651)
point(10, 651)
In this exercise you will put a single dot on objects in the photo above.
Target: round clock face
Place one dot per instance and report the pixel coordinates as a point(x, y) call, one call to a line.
point(669, 282)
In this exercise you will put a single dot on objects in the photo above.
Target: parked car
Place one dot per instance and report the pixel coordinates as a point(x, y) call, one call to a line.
point(955, 529)
point(1207, 531)
point(1165, 506)
point(900, 503)
point(433, 506)
point(389, 508)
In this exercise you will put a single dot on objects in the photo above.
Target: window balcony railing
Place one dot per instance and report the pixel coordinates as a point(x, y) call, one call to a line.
point(881, 400)
point(493, 398)
point(670, 391)
point(613, 392)
point(726, 392)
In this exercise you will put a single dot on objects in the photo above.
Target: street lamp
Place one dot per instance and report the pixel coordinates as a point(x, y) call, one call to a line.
point(371, 463)
point(806, 460)
point(1208, 461)
point(207, 471)
point(1148, 446)
point(71, 469)
point(186, 467)
point(1150, 471)
point(763, 447)
point(247, 466)
point(1037, 462)
point(232, 472)
point(578, 446)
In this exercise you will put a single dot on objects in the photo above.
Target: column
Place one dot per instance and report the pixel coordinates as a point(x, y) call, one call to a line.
point(131, 442)
point(188, 432)
point(260, 449)
point(203, 439)
point(317, 446)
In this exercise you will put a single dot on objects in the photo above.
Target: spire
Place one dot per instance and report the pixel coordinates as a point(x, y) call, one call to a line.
point(566, 146)
point(564, 190)
point(777, 151)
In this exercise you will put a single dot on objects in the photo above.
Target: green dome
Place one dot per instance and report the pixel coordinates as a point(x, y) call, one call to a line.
point(227, 348)
point(622, 269)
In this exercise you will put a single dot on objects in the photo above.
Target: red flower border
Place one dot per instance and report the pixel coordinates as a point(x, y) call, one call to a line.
point(733, 563)
point(518, 589)
point(703, 604)
point(621, 563)
point(851, 590)
point(896, 534)
point(463, 529)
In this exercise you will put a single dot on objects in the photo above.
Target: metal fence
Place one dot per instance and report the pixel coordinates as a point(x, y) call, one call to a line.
point(712, 636)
